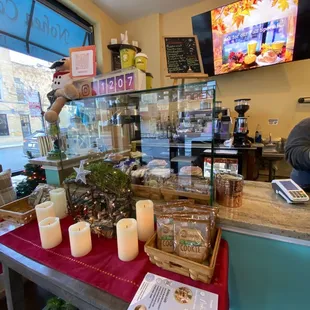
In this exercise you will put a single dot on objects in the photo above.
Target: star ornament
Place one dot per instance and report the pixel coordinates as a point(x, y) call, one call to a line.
point(81, 173)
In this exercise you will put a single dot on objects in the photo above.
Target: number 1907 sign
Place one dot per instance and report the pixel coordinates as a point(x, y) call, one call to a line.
point(117, 84)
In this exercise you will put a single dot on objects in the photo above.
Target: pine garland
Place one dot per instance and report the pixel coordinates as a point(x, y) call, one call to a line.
point(35, 175)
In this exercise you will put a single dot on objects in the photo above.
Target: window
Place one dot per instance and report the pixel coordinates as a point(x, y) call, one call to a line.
point(33, 33)
point(4, 128)
point(43, 29)
point(26, 81)
point(1, 95)
point(20, 90)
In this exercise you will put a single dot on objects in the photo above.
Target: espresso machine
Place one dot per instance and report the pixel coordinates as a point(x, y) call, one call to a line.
point(241, 123)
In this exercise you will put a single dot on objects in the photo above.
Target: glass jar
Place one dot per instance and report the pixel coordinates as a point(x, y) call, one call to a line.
point(58, 142)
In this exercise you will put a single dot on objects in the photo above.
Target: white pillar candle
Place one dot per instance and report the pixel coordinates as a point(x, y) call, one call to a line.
point(50, 232)
point(58, 197)
point(127, 239)
point(80, 239)
point(44, 210)
point(145, 219)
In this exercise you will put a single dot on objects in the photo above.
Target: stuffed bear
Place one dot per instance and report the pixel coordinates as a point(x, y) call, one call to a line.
point(63, 89)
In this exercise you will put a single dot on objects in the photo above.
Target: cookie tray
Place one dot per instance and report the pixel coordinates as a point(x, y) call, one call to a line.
point(180, 265)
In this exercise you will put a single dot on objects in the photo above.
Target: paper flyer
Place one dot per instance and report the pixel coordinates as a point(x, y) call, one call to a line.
point(160, 293)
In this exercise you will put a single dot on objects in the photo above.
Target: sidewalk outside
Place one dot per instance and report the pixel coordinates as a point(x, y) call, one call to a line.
point(9, 141)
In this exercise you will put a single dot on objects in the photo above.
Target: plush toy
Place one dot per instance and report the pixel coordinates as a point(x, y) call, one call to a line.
point(63, 89)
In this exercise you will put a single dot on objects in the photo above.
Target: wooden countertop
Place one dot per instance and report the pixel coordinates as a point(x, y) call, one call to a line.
point(265, 212)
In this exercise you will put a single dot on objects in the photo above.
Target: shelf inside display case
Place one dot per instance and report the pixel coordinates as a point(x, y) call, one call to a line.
point(167, 130)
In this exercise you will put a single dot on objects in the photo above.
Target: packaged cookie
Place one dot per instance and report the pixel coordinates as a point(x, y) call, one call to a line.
point(191, 238)
point(165, 234)
point(213, 212)
point(205, 216)
point(190, 209)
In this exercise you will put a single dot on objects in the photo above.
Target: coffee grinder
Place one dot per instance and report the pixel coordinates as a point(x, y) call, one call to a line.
point(241, 123)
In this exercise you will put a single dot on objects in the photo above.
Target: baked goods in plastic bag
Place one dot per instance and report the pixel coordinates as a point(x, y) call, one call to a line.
point(157, 177)
point(157, 163)
point(188, 184)
point(165, 233)
point(138, 176)
point(40, 194)
point(200, 211)
point(192, 238)
point(191, 170)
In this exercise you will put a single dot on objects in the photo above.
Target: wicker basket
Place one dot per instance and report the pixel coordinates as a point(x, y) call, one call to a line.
point(170, 194)
point(183, 266)
point(19, 211)
point(143, 191)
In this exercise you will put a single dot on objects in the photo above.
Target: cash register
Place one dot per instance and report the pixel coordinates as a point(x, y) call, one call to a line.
point(290, 191)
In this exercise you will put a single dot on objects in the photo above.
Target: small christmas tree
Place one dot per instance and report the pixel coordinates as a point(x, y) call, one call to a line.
point(35, 175)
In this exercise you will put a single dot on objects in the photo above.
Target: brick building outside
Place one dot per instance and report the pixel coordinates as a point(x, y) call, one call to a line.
point(24, 83)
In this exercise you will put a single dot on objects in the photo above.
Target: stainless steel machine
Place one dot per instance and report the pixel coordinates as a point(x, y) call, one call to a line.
point(241, 123)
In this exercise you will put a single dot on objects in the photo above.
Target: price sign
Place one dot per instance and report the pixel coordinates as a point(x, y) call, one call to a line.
point(130, 81)
point(120, 83)
point(111, 85)
point(102, 87)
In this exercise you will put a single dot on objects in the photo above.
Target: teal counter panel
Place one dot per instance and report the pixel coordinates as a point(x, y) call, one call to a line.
point(266, 274)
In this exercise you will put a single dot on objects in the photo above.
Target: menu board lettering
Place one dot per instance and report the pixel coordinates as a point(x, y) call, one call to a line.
point(182, 55)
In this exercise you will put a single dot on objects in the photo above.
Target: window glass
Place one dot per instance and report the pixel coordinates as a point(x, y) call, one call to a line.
point(57, 32)
point(24, 83)
point(13, 16)
point(1, 88)
point(40, 31)
point(20, 90)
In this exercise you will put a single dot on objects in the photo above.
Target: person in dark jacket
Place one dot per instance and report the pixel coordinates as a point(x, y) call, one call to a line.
point(297, 153)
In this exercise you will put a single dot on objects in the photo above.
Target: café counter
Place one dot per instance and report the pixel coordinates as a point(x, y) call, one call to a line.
point(266, 214)
point(269, 251)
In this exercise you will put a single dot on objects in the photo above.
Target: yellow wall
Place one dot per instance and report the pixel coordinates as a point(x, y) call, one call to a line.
point(104, 26)
point(146, 31)
point(274, 91)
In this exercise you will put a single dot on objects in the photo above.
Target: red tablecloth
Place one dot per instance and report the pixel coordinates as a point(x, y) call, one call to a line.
point(102, 268)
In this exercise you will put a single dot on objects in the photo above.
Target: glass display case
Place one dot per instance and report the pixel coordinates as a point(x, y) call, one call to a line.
point(166, 134)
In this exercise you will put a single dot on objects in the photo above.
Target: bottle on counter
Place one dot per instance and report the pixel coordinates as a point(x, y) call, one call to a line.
point(169, 129)
point(258, 134)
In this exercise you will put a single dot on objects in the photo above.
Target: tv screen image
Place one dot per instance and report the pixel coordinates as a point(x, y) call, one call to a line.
point(251, 33)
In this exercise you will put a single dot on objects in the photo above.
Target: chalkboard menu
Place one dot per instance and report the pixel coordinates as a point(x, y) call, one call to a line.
point(182, 54)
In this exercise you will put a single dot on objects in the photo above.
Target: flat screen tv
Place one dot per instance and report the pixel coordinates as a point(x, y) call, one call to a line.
point(249, 34)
